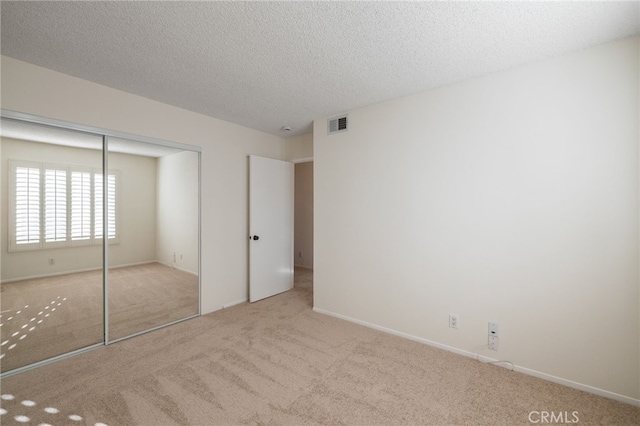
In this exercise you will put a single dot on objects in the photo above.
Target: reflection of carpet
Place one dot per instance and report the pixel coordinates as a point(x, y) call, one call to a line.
point(146, 296)
point(46, 317)
point(277, 362)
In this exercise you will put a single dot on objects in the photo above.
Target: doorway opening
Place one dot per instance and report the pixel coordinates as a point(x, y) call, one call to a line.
point(303, 225)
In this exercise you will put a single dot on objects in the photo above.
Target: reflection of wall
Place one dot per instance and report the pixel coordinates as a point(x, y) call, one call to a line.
point(136, 207)
point(303, 234)
point(177, 209)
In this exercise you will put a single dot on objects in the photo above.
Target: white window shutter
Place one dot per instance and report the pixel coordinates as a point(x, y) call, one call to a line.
point(97, 202)
point(111, 206)
point(80, 206)
point(27, 205)
point(55, 209)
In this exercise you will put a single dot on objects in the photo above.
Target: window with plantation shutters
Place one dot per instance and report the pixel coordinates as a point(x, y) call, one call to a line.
point(111, 206)
point(26, 199)
point(59, 205)
point(81, 206)
point(55, 205)
point(98, 186)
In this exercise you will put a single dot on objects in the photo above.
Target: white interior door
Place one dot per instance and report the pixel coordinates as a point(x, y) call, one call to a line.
point(270, 227)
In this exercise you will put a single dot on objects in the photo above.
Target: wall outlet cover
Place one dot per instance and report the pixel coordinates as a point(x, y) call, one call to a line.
point(493, 343)
point(493, 328)
point(453, 321)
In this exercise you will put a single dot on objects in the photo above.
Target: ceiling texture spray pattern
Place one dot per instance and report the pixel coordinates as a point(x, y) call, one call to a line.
point(266, 65)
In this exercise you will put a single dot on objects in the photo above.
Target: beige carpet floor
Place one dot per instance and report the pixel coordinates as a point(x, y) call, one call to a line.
point(276, 362)
point(45, 317)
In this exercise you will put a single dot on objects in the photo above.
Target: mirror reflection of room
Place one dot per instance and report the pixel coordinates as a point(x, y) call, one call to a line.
point(153, 278)
point(52, 274)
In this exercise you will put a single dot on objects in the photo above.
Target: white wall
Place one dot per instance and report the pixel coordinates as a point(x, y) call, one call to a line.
point(136, 211)
point(511, 197)
point(177, 225)
point(303, 226)
point(225, 147)
point(300, 147)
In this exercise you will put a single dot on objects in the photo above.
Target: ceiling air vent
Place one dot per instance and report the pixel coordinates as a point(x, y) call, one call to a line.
point(337, 125)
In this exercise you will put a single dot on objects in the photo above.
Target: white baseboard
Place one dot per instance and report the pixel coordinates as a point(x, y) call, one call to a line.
point(237, 302)
point(226, 306)
point(528, 371)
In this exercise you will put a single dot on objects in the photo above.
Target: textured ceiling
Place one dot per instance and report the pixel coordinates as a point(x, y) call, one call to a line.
point(265, 65)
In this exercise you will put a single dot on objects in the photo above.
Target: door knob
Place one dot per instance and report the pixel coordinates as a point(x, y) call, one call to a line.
point(256, 238)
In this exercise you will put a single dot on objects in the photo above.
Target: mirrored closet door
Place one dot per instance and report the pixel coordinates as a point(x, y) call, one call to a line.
point(89, 258)
point(153, 267)
point(51, 299)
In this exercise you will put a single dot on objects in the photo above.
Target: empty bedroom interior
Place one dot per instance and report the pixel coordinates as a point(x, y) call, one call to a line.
point(510, 197)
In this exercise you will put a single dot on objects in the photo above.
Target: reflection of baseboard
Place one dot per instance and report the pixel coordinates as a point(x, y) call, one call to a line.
point(170, 265)
point(55, 274)
point(132, 264)
point(74, 271)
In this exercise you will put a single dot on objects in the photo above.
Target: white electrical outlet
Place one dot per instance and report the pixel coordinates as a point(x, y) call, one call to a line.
point(453, 321)
point(493, 343)
point(493, 328)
